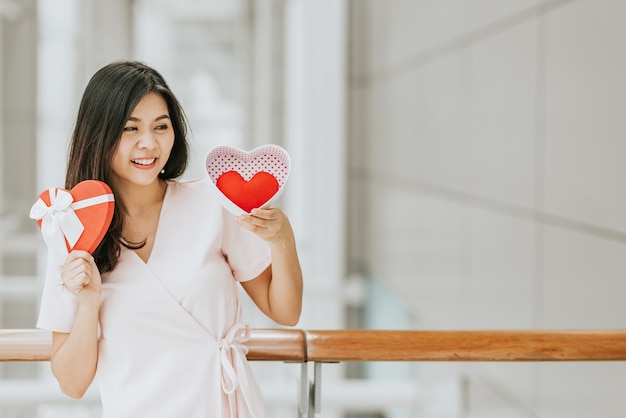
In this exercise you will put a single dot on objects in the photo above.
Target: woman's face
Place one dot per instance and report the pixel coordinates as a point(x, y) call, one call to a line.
point(145, 145)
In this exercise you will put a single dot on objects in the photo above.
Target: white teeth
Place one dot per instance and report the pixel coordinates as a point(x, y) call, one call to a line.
point(144, 161)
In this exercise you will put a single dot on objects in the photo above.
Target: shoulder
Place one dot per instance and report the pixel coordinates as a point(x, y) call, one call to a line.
point(195, 188)
point(189, 185)
point(191, 195)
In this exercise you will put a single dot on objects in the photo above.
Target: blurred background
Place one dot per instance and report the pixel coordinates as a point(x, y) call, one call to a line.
point(456, 164)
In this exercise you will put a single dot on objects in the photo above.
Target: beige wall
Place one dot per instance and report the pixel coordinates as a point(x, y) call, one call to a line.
point(485, 150)
point(17, 102)
point(487, 180)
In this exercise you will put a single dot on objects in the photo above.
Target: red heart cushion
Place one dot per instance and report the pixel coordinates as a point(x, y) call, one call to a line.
point(95, 218)
point(244, 189)
point(248, 194)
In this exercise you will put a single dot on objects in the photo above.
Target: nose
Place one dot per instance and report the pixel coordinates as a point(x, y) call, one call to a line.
point(147, 141)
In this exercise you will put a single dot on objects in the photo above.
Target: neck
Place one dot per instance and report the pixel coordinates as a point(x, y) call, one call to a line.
point(137, 200)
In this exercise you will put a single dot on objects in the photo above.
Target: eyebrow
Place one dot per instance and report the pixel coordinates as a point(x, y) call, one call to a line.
point(134, 119)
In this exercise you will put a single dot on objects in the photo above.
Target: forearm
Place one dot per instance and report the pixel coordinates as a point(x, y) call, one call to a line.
point(285, 289)
point(75, 358)
point(278, 293)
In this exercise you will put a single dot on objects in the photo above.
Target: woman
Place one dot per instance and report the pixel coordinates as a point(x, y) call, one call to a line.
point(155, 312)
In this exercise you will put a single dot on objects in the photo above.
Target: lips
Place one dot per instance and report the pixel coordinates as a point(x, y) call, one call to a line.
point(144, 162)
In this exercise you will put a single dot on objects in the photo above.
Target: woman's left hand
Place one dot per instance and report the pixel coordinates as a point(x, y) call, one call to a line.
point(270, 224)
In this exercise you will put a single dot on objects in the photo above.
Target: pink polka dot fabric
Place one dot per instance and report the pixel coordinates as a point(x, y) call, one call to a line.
point(268, 158)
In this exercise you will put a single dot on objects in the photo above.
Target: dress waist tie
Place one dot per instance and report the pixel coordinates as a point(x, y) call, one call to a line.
point(233, 357)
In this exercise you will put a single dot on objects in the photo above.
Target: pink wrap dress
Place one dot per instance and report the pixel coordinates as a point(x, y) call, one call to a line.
point(171, 337)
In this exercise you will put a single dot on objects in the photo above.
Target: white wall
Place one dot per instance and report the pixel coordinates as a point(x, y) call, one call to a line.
point(17, 98)
point(485, 176)
point(486, 180)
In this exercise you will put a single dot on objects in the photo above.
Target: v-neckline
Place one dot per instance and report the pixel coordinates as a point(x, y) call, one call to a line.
point(156, 232)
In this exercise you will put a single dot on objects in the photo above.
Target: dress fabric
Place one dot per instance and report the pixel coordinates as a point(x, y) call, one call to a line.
point(171, 336)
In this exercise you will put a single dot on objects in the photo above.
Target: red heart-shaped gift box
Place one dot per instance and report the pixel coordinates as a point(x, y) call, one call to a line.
point(88, 206)
point(244, 180)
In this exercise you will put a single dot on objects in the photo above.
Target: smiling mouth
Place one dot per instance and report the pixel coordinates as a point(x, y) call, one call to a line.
point(144, 161)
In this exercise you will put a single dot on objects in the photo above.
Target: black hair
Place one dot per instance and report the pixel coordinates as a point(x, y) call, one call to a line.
point(108, 101)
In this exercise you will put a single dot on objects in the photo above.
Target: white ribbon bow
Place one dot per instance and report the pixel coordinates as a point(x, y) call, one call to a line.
point(58, 221)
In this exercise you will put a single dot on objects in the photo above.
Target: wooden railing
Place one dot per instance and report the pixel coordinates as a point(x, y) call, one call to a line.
point(263, 345)
point(372, 345)
point(326, 346)
point(295, 345)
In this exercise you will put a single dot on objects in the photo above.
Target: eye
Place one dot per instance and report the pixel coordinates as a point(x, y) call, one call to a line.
point(162, 127)
point(130, 128)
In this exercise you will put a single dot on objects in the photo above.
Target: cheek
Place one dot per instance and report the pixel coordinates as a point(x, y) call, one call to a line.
point(119, 157)
point(116, 166)
point(166, 145)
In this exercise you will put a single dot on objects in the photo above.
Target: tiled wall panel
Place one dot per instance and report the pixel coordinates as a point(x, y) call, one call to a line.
point(486, 178)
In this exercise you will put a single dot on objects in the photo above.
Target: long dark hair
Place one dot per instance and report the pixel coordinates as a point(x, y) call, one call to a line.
point(107, 103)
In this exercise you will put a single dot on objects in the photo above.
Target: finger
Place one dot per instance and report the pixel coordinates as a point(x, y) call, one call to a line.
point(251, 221)
point(76, 258)
point(78, 282)
point(250, 225)
point(81, 256)
point(76, 285)
point(76, 267)
point(75, 272)
point(78, 254)
point(269, 213)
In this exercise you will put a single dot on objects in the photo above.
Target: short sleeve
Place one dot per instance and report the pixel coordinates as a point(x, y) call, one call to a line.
point(58, 305)
point(246, 253)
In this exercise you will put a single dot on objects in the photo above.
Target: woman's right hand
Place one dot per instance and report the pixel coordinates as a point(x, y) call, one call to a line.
point(81, 277)
point(74, 355)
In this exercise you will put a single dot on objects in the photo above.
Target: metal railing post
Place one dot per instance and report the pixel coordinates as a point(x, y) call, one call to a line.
point(310, 402)
point(305, 394)
point(316, 390)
